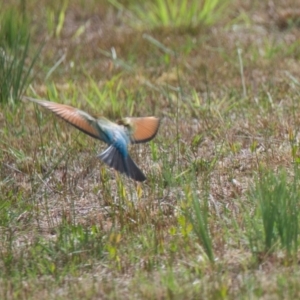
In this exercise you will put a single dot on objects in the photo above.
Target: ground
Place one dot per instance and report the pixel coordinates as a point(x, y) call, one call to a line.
point(227, 94)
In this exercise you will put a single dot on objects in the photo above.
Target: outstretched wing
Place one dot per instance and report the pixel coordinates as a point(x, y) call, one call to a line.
point(143, 129)
point(76, 117)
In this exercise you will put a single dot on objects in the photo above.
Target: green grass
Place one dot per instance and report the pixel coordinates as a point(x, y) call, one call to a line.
point(217, 217)
point(15, 63)
point(276, 198)
point(174, 13)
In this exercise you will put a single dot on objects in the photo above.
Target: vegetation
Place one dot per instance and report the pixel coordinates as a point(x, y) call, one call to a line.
point(15, 68)
point(218, 217)
point(173, 13)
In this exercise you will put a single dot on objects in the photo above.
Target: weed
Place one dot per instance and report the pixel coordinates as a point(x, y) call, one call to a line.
point(177, 14)
point(198, 217)
point(56, 19)
point(277, 197)
point(15, 74)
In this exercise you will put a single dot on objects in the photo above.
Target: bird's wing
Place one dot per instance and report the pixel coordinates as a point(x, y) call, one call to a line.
point(141, 130)
point(76, 117)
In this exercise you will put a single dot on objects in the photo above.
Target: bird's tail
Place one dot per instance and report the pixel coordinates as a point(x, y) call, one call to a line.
point(113, 158)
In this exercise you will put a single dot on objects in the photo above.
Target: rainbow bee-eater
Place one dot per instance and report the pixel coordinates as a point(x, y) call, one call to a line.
point(116, 135)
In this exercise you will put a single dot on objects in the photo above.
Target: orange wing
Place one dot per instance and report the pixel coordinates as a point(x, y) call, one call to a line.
point(143, 129)
point(78, 118)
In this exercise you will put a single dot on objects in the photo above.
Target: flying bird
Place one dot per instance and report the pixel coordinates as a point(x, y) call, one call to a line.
point(116, 135)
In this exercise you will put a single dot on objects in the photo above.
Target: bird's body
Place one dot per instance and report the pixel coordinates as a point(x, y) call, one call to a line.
point(117, 136)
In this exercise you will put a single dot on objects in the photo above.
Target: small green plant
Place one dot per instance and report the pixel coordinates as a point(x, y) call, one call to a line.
point(276, 197)
point(56, 18)
point(114, 108)
point(198, 217)
point(15, 71)
point(176, 13)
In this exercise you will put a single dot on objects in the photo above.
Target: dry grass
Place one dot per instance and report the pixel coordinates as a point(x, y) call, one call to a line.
point(71, 228)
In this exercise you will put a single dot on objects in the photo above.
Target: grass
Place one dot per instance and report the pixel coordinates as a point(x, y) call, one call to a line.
point(174, 13)
point(15, 63)
point(218, 214)
point(277, 205)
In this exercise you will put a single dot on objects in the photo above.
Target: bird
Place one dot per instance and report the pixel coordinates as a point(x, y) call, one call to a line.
point(130, 130)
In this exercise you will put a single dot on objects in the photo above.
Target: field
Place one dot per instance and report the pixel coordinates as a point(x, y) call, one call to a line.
point(218, 216)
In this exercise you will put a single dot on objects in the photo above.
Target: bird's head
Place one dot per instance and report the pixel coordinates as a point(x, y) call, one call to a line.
point(126, 122)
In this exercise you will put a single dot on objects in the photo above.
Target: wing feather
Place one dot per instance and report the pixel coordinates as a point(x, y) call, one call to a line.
point(76, 117)
point(143, 129)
